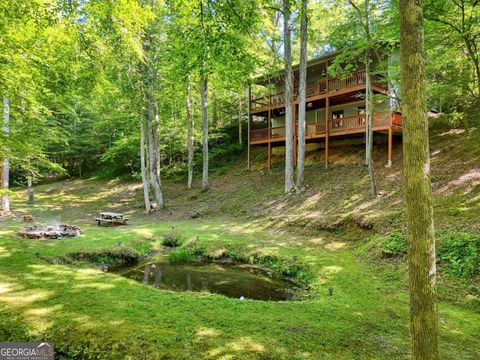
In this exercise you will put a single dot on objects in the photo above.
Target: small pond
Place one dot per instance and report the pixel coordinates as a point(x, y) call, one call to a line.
point(235, 281)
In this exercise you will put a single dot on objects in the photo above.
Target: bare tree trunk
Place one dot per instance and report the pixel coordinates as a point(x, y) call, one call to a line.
point(155, 180)
point(369, 111)
point(31, 198)
point(204, 92)
point(190, 134)
point(287, 41)
point(302, 97)
point(145, 180)
point(153, 152)
point(152, 128)
point(5, 204)
point(214, 113)
point(156, 135)
point(240, 111)
point(418, 194)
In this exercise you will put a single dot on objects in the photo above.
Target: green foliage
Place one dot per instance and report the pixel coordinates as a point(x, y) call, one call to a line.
point(116, 256)
point(395, 243)
point(285, 267)
point(180, 255)
point(459, 252)
point(172, 238)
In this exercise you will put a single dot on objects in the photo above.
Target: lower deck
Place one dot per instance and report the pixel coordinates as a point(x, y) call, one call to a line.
point(388, 123)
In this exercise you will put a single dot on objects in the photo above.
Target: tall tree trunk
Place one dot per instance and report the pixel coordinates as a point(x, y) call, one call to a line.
point(287, 41)
point(5, 204)
point(240, 111)
point(369, 112)
point(152, 135)
point(214, 112)
point(418, 194)
point(143, 166)
point(153, 152)
point(155, 180)
point(204, 92)
point(302, 97)
point(31, 198)
point(156, 134)
point(190, 134)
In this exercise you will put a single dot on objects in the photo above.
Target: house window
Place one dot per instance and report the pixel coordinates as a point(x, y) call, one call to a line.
point(337, 118)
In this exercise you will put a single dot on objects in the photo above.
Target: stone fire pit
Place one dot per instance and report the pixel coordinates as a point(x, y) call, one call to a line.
point(49, 231)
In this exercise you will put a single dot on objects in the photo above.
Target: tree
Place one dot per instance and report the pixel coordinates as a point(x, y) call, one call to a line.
point(458, 22)
point(302, 96)
point(418, 195)
point(369, 109)
point(143, 165)
point(5, 201)
point(289, 126)
point(204, 94)
point(240, 117)
point(369, 45)
point(190, 134)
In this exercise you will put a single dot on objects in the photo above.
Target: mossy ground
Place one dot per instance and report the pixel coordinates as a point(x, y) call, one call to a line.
point(333, 228)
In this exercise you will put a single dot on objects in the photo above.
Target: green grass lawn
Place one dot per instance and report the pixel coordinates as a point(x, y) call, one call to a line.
point(95, 315)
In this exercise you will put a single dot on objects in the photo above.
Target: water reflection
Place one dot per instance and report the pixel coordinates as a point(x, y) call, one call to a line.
point(229, 280)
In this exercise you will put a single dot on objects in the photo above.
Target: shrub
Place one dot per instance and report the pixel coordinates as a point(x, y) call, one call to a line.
point(395, 243)
point(460, 253)
point(286, 267)
point(172, 239)
point(180, 255)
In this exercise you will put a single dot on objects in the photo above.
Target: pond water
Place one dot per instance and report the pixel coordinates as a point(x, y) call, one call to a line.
point(234, 281)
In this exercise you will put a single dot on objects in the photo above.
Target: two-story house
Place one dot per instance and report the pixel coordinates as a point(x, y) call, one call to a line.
point(335, 108)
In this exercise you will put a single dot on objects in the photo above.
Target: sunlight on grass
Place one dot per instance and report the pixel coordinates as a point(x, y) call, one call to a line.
point(41, 311)
point(95, 285)
point(82, 306)
point(207, 332)
point(317, 240)
point(5, 232)
point(4, 252)
point(332, 269)
point(148, 233)
point(334, 246)
point(23, 298)
point(243, 345)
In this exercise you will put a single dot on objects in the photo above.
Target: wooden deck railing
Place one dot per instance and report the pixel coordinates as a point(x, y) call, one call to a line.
point(345, 125)
point(318, 88)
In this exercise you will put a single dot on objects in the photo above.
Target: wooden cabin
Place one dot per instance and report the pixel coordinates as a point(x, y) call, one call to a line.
point(335, 108)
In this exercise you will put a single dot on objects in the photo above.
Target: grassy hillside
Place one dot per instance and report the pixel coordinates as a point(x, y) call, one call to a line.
point(335, 231)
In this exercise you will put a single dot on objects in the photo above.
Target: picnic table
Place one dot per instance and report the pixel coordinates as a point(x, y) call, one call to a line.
point(111, 218)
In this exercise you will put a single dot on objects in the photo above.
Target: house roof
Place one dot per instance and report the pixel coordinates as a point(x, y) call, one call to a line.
point(312, 65)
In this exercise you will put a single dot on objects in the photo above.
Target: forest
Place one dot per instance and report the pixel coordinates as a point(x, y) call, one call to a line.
point(240, 179)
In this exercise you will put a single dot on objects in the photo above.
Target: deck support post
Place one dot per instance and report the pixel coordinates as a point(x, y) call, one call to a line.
point(270, 134)
point(248, 123)
point(269, 155)
point(327, 128)
point(390, 146)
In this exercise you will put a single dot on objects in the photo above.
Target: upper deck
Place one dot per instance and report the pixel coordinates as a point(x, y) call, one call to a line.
point(344, 89)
